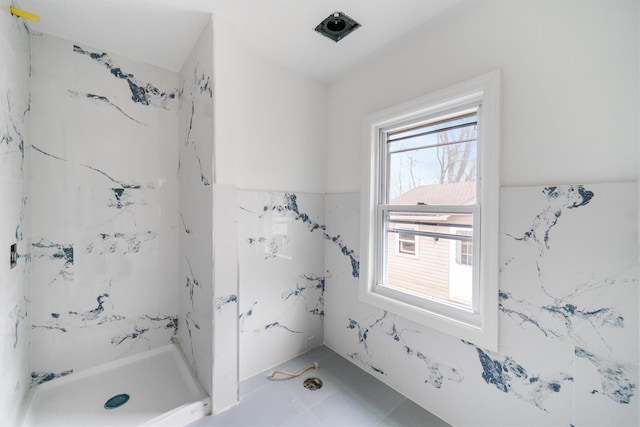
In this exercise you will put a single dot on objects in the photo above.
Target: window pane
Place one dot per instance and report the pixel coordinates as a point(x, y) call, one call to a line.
point(408, 247)
point(434, 224)
point(440, 270)
point(434, 274)
point(438, 168)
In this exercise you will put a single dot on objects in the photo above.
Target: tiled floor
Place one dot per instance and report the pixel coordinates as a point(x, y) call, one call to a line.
point(349, 397)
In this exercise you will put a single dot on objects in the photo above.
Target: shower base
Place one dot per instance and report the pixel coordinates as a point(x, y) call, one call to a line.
point(160, 387)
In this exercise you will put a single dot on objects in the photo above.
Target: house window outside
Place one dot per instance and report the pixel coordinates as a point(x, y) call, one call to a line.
point(407, 244)
point(464, 249)
point(432, 181)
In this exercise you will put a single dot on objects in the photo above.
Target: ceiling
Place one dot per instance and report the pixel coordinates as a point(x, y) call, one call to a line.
point(162, 32)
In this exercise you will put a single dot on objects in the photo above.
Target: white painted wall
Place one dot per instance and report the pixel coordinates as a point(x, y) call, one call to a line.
point(281, 127)
point(570, 87)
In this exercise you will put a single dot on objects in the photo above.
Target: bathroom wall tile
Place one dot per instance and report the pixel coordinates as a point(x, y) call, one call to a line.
point(105, 225)
point(225, 309)
point(568, 316)
point(282, 279)
point(195, 210)
point(566, 273)
point(15, 141)
point(606, 391)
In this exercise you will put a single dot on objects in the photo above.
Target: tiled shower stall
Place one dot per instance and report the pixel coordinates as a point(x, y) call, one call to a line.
point(152, 206)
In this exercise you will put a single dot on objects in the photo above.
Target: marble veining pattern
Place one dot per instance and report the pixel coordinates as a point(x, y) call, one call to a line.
point(200, 85)
point(562, 320)
point(510, 377)
point(557, 199)
point(385, 326)
point(123, 185)
point(15, 218)
point(555, 285)
point(119, 243)
point(195, 167)
point(99, 99)
point(60, 255)
point(617, 379)
point(282, 279)
point(141, 92)
point(222, 302)
point(18, 315)
point(568, 300)
point(104, 256)
point(12, 139)
point(287, 204)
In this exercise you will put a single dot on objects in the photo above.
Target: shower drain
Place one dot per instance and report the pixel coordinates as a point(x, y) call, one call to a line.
point(312, 383)
point(116, 401)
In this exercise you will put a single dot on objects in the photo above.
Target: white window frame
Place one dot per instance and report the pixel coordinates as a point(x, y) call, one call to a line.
point(479, 325)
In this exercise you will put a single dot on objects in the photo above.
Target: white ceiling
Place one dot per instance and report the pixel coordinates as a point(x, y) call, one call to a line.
point(162, 32)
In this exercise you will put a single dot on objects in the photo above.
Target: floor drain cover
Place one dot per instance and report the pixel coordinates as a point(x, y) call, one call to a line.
point(116, 401)
point(312, 383)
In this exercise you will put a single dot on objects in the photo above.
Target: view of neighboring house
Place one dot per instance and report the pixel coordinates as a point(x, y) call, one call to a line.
point(433, 265)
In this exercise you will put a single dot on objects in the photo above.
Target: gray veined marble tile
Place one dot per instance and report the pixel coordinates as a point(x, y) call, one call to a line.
point(101, 100)
point(123, 185)
point(287, 203)
point(385, 325)
point(557, 199)
point(12, 136)
point(54, 260)
point(508, 376)
point(310, 289)
point(196, 97)
point(120, 243)
point(436, 372)
point(277, 325)
point(222, 302)
point(243, 316)
point(141, 92)
point(618, 380)
point(17, 315)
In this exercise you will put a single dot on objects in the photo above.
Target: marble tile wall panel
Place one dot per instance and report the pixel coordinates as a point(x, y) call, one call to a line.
point(225, 309)
point(569, 322)
point(195, 171)
point(104, 212)
point(15, 143)
point(282, 278)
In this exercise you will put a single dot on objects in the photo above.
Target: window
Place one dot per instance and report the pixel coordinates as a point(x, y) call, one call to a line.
point(407, 243)
point(432, 182)
point(464, 249)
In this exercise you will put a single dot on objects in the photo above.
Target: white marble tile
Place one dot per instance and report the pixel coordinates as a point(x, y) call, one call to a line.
point(225, 314)
point(195, 210)
point(15, 308)
point(104, 159)
point(606, 391)
point(568, 323)
point(281, 264)
point(567, 273)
